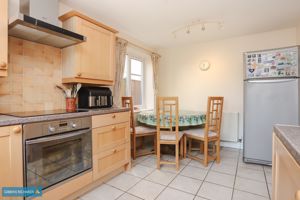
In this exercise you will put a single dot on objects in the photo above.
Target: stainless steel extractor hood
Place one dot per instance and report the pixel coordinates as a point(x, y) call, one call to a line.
point(37, 21)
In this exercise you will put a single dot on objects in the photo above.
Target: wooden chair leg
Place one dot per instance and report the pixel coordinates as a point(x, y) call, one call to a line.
point(177, 156)
point(201, 147)
point(190, 145)
point(205, 161)
point(184, 146)
point(181, 148)
point(134, 147)
point(155, 144)
point(218, 151)
point(158, 155)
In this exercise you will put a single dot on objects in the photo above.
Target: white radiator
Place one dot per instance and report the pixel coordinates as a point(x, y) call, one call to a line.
point(230, 127)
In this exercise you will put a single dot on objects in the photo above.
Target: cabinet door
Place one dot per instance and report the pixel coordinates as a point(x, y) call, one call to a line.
point(11, 170)
point(110, 136)
point(286, 172)
point(97, 53)
point(3, 37)
point(110, 160)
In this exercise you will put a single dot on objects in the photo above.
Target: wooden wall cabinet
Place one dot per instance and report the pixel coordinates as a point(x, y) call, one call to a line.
point(11, 170)
point(3, 37)
point(285, 173)
point(111, 143)
point(93, 61)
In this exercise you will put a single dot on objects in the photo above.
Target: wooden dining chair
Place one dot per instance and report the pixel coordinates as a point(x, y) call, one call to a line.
point(166, 108)
point(209, 134)
point(138, 131)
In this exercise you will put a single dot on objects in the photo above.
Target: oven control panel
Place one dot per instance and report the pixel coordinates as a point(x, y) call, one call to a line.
point(56, 127)
point(63, 126)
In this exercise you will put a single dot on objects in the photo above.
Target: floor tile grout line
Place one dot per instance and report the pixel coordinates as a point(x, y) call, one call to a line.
point(237, 166)
point(135, 183)
point(154, 169)
point(204, 179)
point(172, 180)
point(252, 179)
point(251, 193)
point(267, 183)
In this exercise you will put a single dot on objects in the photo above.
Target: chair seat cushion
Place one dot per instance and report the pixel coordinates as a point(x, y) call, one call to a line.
point(144, 130)
point(169, 135)
point(199, 132)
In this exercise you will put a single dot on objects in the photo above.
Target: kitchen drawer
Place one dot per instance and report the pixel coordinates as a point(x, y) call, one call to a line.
point(111, 136)
point(108, 119)
point(110, 160)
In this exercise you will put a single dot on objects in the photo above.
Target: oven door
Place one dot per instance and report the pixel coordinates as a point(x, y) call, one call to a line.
point(52, 159)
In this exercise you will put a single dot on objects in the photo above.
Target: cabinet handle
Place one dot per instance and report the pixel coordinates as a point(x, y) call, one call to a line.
point(113, 116)
point(79, 74)
point(114, 128)
point(2, 65)
point(115, 151)
point(297, 195)
point(17, 129)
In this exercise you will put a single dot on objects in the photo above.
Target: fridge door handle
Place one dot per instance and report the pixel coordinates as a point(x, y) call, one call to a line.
point(272, 80)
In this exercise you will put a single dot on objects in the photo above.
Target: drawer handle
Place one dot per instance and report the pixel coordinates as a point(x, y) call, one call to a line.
point(115, 151)
point(79, 74)
point(113, 116)
point(297, 195)
point(17, 129)
point(114, 128)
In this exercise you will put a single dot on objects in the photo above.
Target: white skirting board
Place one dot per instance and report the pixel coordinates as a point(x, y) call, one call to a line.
point(230, 127)
point(236, 145)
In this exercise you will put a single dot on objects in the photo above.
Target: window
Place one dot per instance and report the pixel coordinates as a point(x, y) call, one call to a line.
point(134, 80)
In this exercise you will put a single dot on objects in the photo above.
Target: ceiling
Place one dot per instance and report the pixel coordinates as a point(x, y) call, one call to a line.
point(153, 21)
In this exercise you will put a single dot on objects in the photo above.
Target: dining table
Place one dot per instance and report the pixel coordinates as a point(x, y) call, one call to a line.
point(187, 118)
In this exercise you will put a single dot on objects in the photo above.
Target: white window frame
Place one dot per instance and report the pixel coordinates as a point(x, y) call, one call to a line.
point(128, 79)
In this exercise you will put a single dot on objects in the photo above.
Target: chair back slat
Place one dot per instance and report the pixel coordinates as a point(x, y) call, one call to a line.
point(127, 102)
point(214, 115)
point(167, 115)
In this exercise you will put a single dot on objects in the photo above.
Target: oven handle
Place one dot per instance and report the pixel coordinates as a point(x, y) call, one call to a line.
point(57, 137)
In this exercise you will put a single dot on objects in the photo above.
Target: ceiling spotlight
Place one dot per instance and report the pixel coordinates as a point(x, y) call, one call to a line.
point(203, 27)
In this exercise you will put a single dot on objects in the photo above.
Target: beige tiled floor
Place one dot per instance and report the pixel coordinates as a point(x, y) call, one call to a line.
point(232, 179)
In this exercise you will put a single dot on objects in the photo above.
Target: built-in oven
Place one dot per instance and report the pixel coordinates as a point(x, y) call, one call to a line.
point(55, 151)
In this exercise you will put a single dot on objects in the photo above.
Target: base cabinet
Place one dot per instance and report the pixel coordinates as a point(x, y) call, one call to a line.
point(11, 170)
point(111, 143)
point(285, 173)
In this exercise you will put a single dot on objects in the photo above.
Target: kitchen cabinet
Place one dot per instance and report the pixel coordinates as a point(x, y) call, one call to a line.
point(11, 170)
point(3, 37)
point(111, 143)
point(285, 173)
point(93, 61)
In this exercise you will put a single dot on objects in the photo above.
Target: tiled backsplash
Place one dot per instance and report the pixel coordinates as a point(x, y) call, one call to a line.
point(34, 70)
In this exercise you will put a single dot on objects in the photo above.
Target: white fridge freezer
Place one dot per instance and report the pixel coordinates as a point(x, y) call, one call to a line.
point(271, 96)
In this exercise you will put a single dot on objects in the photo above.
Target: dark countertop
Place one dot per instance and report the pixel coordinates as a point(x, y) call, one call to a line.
point(6, 120)
point(290, 137)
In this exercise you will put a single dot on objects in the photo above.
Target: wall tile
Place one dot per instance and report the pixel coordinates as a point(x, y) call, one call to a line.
point(34, 70)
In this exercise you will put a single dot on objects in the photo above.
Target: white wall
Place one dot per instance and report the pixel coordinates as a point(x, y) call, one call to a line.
point(180, 75)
